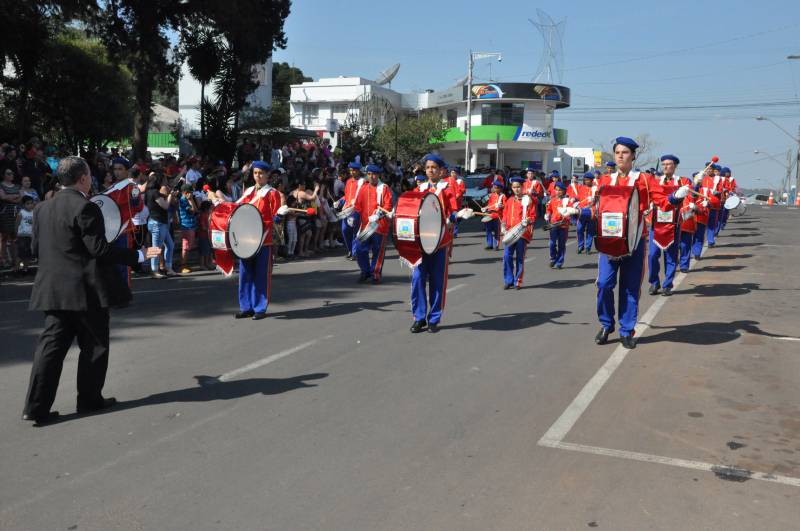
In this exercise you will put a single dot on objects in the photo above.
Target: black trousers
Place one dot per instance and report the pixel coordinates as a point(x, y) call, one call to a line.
point(60, 329)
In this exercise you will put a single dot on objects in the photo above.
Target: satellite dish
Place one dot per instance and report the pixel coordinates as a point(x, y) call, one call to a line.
point(385, 77)
point(461, 82)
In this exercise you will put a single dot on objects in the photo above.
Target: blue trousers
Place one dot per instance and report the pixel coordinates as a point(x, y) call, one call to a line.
point(161, 237)
point(376, 244)
point(687, 238)
point(123, 242)
point(699, 238)
point(630, 271)
point(711, 230)
point(558, 245)
point(492, 228)
point(723, 219)
point(429, 286)
point(670, 263)
point(586, 231)
point(255, 280)
point(514, 263)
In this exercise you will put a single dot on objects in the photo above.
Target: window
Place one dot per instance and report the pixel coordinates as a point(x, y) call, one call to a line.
point(452, 115)
point(502, 113)
point(339, 108)
point(310, 113)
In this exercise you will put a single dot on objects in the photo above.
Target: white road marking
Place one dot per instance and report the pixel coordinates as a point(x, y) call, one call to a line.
point(529, 259)
point(724, 470)
point(196, 288)
point(269, 359)
point(787, 338)
point(454, 288)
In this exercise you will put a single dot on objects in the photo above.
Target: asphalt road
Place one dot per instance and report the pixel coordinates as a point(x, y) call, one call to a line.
point(330, 415)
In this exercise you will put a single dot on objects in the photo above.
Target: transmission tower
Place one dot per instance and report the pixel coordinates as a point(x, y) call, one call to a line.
point(551, 65)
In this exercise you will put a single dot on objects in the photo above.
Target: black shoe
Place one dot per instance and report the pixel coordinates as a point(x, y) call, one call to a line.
point(711, 244)
point(488, 248)
point(243, 315)
point(418, 326)
point(667, 292)
point(104, 403)
point(653, 289)
point(507, 286)
point(349, 256)
point(588, 252)
point(433, 328)
point(552, 265)
point(559, 266)
point(628, 342)
point(363, 277)
point(684, 270)
point(260, 315)
point(602, 336)
point(580, 251)
point(376, 280)
point(40, 420)
point(518, 287)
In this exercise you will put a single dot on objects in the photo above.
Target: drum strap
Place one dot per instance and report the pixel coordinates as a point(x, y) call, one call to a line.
point(632, 176)
point(379, 193)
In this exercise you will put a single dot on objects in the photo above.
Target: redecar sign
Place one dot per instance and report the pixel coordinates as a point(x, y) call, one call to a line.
point(526, 133)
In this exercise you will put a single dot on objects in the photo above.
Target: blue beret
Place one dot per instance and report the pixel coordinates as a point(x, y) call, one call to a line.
point(456, 169)
point(554, 172)
point(716, 167)
point(673, 158)
point(561, 184)
point(611, 164)
point(260, 165)
point(588, 175)
point(517, 180)
point(354, 165)
point(374, 168)
point(421, 178)
point(726, 170)
point(627, 142)
point(436, 159)
point(530, 168)
point(598, 172)
point(123, 161)
point(498, 183)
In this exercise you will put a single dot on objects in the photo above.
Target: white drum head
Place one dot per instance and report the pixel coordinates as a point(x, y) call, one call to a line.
point(430, 224)
point(245, 231)
point(634, 229)
point(513, 235)
point(732, 202)
point(111, 216)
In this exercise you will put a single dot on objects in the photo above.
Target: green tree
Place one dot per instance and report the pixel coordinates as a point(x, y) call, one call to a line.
point(283, 77)
point(203, 49)
point(410, 137)
point(93, 102)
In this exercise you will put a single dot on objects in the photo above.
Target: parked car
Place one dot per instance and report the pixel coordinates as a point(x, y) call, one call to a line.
point(473, 181)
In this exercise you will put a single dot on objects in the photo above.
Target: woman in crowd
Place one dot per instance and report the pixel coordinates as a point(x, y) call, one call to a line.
point(26, 190)
point(10, 199)
point(305, 224)
point(159, 200)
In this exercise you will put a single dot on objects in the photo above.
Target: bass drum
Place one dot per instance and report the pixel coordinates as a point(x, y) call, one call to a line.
point(235, 229)
point(112, 218)
point(419, 226)
point(619, 229)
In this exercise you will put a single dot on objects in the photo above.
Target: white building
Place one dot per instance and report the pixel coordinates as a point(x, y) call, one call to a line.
point(512, 123)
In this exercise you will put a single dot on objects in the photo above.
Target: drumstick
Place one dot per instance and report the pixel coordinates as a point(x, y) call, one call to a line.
point(307, 211)
point(714, 160)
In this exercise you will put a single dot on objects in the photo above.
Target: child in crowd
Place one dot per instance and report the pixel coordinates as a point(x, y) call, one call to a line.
point(25, 231)
point(291, 227)
point(203, 243)
point(187, 214)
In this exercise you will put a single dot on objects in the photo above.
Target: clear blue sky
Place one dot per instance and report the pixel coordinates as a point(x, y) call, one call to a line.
point(646, 54)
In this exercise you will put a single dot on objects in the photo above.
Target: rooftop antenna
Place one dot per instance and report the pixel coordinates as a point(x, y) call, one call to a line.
point(386, 77)
point(551, 64)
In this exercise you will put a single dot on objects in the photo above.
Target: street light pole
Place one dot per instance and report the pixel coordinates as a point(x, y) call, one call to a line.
point(468, 124)
point(790, 135)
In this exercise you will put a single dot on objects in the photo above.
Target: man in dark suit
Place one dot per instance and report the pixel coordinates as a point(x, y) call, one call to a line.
point(75, 286)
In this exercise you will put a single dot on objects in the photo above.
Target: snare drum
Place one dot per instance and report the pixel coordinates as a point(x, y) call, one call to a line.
point(732, 202)
point(235, 229)
point(345, 213)
point(514, 234)
point(368, 230)
point(419, 226)
point(112, 218)
point(619, 228)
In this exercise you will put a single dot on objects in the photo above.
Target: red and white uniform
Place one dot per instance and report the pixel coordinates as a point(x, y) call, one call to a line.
point(573, 191)
point(585, 195)
point(646, 185)
point(126, 195)
point(351, 188)
point(552, 214)
point(445, 195)
point(533, 188)
point(495, 205)
point(267, 200)
point(513, 215)
point(713, 185)
point(367, 202)
point(457, 185)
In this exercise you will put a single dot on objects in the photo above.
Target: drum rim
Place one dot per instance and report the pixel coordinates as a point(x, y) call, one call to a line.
point(442, 226)
point(227, 231)
point(118, 210)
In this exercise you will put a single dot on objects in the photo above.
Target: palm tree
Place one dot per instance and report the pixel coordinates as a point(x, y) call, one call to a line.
point(203, 57)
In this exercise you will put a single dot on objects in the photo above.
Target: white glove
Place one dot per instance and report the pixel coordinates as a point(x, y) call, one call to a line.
point(692, 207)
point(572, 211)
point(705, 204)
point(389, 215)
point(374, 217)
point(525, 222)
point(465, 213)
point(547, 218)
point(562, 211)
point(282, 210)
point(682, 192)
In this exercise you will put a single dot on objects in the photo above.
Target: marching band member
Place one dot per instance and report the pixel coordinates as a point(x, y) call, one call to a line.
point(709, 201)
point(494, 208)
point(520, 208)
point(712, 183)
point(373, 204)
point(691, 210)
point(586, 226)
point(126, 194)
point(728, 189)
point(557, 214)
point(533, 186)
point(255, 274)
point(456, 183)
point(661, 218)
point(429, 278)
point(629, 269)
point(351, 188)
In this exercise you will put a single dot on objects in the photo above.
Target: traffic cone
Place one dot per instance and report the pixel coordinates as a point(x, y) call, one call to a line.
point(771, 200)
point(797, 201)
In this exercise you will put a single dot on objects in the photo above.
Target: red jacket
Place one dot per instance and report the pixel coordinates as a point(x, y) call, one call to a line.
point(351, 188)
point(445, 195)
point(512, 215)
point(495, 205)
point(533, 187)
point(456, 184)
point(267, 200)
point(713, 184)
point(367, 204)
point(646, 185)
point(552, 213)
point(585, 195)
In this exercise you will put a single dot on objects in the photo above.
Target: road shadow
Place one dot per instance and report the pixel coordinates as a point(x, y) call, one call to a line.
point(486, 260)
point(726, 257)
point(590, 265)
point(334, 309)
point(511, 321)
point(736, 245)
point(719, 268)
point(706, 333)
point(724, 290)
point(562, 283)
